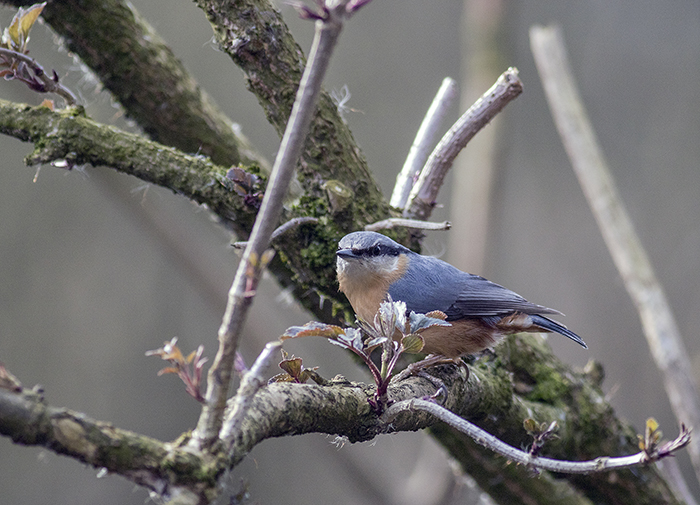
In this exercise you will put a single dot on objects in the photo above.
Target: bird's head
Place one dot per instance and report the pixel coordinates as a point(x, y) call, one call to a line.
point(365, 253)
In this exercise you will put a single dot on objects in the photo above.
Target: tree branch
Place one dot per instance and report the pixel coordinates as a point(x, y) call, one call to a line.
point(398, 222)
point(67, 136)
point(252, 382)
point(425, 138)
point(530, 460)
point(328, 28)
point(133, 62)
point(424, 193)
point(48, 84)
point(626, 249)
point(545, 385)
point(587, 426)
point(258, 40)
point(164, 468)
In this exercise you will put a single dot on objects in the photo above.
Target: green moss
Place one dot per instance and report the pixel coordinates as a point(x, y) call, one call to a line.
point(529, 359)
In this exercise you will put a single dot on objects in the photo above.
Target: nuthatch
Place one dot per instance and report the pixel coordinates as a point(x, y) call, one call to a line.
point(480, 312)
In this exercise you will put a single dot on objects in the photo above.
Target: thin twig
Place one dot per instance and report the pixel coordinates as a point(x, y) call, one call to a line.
point(47, 84)
point(425, 138)
point(493, 443)
point(252, 381)
point(424, 193)
point(218, 382)
point(284, 228)
point(396, 222)
point(626, 249)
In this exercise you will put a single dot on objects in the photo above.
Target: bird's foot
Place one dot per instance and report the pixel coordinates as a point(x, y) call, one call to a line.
point(418, 369)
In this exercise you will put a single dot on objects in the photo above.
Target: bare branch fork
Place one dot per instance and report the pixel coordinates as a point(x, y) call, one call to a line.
point(493, 443)
point(625, 247)
point(417, 197)
point(421, 199)
point(328, 27)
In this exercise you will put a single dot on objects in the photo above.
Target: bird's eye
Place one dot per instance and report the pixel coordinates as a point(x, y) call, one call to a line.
point(375, 250)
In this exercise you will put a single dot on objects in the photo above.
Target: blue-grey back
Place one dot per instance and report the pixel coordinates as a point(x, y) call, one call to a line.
point(431, 284)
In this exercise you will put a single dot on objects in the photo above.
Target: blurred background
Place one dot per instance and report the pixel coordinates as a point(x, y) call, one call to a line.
point(96, 268)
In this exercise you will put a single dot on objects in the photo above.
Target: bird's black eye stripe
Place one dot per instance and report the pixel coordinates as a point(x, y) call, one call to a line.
point(372, 251)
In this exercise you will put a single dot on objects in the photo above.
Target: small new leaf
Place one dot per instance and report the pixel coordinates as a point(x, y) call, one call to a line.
point(372, 343)
point(540, 434)
point(313, 329)
point(16, 35)
point(188, 369)
point(420, 322)
point(292, 366)
point(412, 343)
point(652, 436)
point(390, 317)
point(530, 425)
point(350, 339)
point(295, 371)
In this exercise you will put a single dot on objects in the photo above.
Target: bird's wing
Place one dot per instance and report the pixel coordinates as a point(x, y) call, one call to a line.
point(431, 284)
point(482, 298)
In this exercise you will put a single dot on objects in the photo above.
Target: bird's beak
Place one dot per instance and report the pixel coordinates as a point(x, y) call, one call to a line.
point(346, 254)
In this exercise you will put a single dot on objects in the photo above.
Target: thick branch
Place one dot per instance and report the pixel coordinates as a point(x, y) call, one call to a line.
point(258, 40)
point(71, 138)
point(161, 467)
point(587, 425)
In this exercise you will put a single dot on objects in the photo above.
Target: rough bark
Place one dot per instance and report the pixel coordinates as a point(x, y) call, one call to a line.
point(499, 394)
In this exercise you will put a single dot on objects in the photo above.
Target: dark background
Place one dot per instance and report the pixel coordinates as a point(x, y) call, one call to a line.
point(96, 268)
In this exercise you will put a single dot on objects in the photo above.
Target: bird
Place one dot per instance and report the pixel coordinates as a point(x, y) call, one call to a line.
point(371, 267)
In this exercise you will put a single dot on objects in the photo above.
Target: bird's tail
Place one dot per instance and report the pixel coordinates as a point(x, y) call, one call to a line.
point(549, 325)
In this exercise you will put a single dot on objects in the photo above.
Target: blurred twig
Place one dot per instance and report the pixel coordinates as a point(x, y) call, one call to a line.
point(484, 53)
point(34, 75)
point(629, 255)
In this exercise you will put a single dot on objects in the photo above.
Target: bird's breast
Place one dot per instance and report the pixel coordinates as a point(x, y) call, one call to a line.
point(366, 289)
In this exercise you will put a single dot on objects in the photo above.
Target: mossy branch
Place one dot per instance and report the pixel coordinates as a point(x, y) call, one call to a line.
point(550, 391)
point(69, 138)
point(254, 35)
